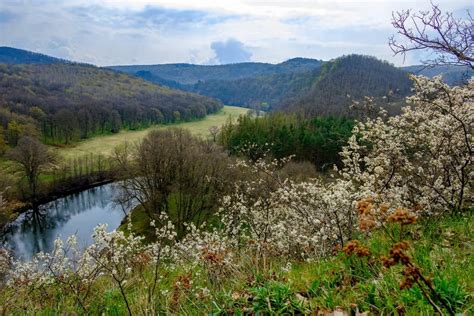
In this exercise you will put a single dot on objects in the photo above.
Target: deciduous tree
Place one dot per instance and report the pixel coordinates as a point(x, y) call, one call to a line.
point(32, 157)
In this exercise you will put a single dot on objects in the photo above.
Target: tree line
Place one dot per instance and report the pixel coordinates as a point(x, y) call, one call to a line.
point(318, 140)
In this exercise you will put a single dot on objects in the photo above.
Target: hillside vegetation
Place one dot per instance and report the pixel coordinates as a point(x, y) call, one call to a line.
point(260, 91)
point(10, 55)
point(67, 102)
point(352, 78)
point(309, 86)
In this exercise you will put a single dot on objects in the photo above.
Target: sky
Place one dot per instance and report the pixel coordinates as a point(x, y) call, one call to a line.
point(119, 32)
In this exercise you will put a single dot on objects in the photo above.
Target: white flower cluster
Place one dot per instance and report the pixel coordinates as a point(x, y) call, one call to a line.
point(116, 255)
point(422, 158)
point(283, 218)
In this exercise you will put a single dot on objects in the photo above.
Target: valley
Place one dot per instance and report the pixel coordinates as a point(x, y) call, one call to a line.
point(104, 145)
point(178, 159)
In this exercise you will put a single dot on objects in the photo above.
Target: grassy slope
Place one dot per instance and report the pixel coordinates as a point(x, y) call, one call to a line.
point(443, 251)
point(106, 144)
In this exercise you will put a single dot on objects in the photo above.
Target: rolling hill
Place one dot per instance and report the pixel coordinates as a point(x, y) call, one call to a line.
point(13, 56)
point(70, 101)
point(251, 92)
point(188, 74)
point(351, 78)
point(299, 84)
point(242, 84)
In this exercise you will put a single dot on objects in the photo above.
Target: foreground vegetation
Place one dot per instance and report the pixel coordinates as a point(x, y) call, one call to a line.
point(341, 282)
point(390, 232)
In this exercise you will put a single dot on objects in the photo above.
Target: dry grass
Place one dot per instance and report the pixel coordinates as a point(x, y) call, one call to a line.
point(106, 144)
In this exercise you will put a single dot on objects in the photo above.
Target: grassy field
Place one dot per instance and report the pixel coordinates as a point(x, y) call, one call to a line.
point(106, 144)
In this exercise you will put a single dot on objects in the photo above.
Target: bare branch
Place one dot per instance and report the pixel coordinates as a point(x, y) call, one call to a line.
point(450, 39)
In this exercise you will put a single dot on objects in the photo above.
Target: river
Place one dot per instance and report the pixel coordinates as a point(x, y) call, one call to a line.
point(75, 214)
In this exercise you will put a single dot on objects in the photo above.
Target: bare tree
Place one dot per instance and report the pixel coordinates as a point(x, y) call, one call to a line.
point(32, 157)
point(214, 130)
point(173, 172)
point(449, 38)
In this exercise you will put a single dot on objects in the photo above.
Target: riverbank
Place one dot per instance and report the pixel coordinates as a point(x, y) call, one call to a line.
point(105, 145)
point(15, 208)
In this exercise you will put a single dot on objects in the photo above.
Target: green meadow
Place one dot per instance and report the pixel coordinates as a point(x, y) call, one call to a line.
point(106, 144)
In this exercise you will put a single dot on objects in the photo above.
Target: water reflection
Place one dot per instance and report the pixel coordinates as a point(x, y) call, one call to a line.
point(75, 214)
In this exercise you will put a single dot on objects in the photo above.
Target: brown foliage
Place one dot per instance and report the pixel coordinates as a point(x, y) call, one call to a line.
point(402, 216)
point(355, 247)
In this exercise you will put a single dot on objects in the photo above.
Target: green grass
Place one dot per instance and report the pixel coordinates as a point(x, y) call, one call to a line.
point(106, 144)
point(442, 250)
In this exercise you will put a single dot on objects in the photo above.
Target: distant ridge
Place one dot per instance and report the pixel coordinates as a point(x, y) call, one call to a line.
point(191, 74)
point(299, 84)
point(311, 85)
point(13, 56)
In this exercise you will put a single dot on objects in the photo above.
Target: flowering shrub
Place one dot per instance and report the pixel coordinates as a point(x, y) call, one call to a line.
point(295, 220)
point(421, 158)
point(114, 255)
point(213, 251)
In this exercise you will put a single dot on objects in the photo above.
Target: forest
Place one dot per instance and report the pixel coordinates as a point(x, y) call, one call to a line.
point(351, 78)
point(63, 103)
point(318, 140)
point(305, 84)
point(188, 74)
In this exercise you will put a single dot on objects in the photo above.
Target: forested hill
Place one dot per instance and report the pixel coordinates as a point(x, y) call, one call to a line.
point(187, 74)
point(351, 78)
point(10, 55)
point(64, 102)
point(269, 90)
point(328, 89)
point(315, 86)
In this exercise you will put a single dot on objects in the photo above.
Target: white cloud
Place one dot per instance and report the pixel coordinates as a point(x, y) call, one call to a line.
point(163, 31)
